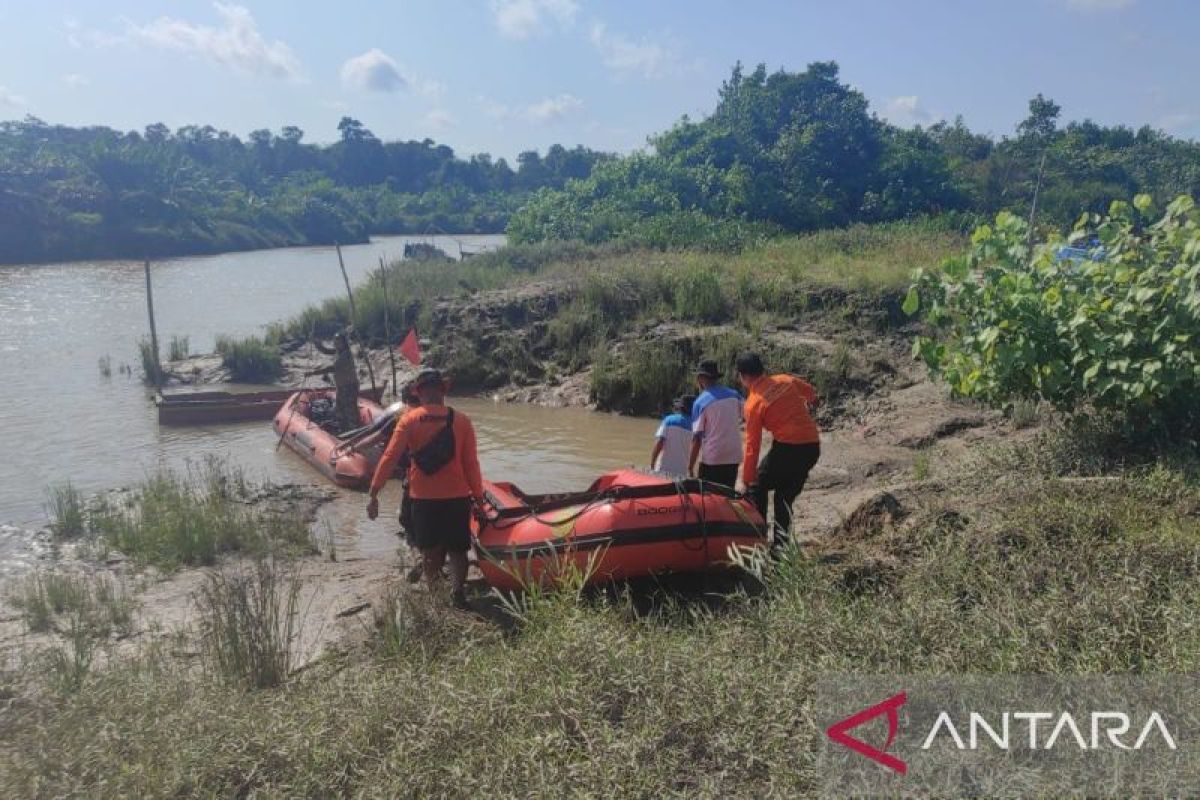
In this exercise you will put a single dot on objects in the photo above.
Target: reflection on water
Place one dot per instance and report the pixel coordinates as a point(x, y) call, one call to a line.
point(63, 421)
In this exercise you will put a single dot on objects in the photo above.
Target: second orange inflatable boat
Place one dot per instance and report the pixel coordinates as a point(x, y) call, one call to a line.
point(628, 524)
point(348, 464)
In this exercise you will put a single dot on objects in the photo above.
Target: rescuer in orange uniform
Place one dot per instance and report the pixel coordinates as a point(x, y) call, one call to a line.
point(444, 479)
point(783, 405)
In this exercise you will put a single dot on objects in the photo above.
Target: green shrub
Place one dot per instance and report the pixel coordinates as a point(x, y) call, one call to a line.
point(250, 360)
point(1116, 332)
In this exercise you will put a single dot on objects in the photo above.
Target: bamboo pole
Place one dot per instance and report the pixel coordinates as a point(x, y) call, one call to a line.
point(157, 376)
point(1033, 206)
point(354, 315)
point(387, 328)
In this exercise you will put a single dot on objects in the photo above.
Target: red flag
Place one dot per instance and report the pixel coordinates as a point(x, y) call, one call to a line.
point(410, 348)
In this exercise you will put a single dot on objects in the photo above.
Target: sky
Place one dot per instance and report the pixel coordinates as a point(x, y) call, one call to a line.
point(502, 76)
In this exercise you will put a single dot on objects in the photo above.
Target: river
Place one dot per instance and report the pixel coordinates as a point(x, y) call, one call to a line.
point(63, 420)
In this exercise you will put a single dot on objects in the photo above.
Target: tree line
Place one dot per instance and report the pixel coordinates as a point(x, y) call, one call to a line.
point(800, 151)
point(95, 192)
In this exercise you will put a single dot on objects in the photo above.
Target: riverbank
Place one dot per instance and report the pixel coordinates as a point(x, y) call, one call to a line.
point(992, 550)
point(934, 536)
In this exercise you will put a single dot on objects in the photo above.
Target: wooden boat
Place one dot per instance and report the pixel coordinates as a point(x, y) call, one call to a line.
point(350, 463)
point(216, 407)
point(628, 524)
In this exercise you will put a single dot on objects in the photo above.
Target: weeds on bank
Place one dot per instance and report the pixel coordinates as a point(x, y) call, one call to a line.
point(174, 519)
point(587, 698)
point(85, 611)
point(616, 284)
point(250, 360)
point(248, 622)
point(179, 348)
point(65, 505)
point(45, 597)
point(151, 374)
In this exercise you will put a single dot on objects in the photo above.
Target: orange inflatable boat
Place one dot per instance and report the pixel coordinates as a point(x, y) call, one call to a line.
point(628, 524)
point(302, 421)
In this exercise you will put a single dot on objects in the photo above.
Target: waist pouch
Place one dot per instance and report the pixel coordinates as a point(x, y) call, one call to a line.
point(438, 451)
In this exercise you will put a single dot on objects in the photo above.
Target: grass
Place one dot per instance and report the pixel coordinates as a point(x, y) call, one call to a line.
point(151, 372)
point(1006, 571)
point(67, 511)
point(174, 519)
point(248, 619)
point(619, 283)
point(84, 610)
point(250, 360)
point(178, 348)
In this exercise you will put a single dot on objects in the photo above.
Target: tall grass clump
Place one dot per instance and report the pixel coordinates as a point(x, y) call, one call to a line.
point(151, 373)
point(248, 621)
point(178, 348)
point(45, 598)
point(67, 510)
point(249, 360)
point(189, 519)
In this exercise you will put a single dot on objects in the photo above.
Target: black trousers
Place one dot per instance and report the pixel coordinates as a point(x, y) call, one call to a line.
point(784, 470)
point(724, 474)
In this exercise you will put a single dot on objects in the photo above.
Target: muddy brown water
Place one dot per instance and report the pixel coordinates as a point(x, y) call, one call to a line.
point(62, 420)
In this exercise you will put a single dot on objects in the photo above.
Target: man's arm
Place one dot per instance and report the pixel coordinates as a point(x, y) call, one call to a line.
point(470, 461)
point(809, 393)
point(655, 452)
point(696, 441)
point(396, 446)
point(753, 443)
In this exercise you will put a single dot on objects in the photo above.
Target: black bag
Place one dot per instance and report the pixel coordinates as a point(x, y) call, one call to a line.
point(438, 451)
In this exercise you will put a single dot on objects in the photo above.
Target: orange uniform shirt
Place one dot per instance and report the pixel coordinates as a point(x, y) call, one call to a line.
point(460, 478)
point(779, 403)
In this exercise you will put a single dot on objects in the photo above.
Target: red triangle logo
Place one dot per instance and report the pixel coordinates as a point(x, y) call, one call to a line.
point(838, 732)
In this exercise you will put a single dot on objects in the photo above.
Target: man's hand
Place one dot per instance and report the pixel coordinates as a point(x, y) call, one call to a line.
point(373, 507)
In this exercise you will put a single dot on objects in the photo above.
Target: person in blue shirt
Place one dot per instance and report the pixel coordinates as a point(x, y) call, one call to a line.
point(716, 425)
point(673, 441)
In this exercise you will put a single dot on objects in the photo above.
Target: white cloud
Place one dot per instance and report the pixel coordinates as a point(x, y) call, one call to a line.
point(439, 119)
point(553, 109)
point(374, 71)
point(906, 111)
point(9, 99)
point(236, 43)
point(1099, 5)
point(428, 88)
point(1180, 123)
point(625, 56)
point(76, 81)
point(521, 19)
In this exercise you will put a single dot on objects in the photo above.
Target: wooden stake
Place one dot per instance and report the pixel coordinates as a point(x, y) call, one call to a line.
point(157, 376)
point(387, 328)
point(354, 315)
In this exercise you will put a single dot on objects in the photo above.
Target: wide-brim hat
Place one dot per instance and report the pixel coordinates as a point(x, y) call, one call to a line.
point(708, 369)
